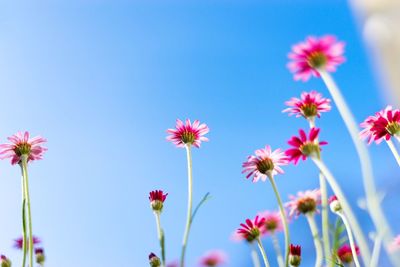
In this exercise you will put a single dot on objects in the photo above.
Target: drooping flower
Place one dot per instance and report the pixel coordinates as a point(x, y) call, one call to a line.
point(295, 255)
point(20, 145)
point(304, 203)
point(252, 229)
point(188, 133)
point(344, 253)
point(265, 162)
point(40, 257)
point(314, 54)
point(4, 261)
point(309, 106)
point(272, 223)
point(154, 260)
point(18, 243)
point(213, 258)
point(395, 244)
point(304, 146)
point(157, 198)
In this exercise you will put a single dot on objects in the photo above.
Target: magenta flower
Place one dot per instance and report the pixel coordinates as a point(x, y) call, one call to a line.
point(188, 133)
point(20, 145)
point(251, 230)
point(294, 255)
point(309, 105)
point(395, 244)
point(157, 198)
point(264, 163)
point(304, 146)
point(272, 223)
point(345, 255)
point(304, 203)
point(314, 54)
point(213, 258)
point(18, 243)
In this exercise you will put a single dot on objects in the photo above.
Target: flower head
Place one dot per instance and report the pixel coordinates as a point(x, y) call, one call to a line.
point(304, 146)
point(304, 203)
point(188, 133)
point(213, 258)
point(314, 54)
point(295, 255)
point(273, 221)
point(251, 230)
point(310, 105)
point(345, 255)
point(21, 145)
point(154, 260)
point(334, 204)
point(157, 198)
point(395, 244)
point(40, 258)
point(265, 162)
point(4, 261)
point(19, 242)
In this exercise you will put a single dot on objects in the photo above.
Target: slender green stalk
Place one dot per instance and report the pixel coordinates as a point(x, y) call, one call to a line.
point(373, 202)
point(317, 240)
point(278, 252)
point(262, 250)
point(394, 151)
point(254, 256)
point(190, 201)
point(24, 234)
point(283, 217)
point(345, 206)
point(24, 167)
point(161, 237)
point(376, 251)
point(351, 239)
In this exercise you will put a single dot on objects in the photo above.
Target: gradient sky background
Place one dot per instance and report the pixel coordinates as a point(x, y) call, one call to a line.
point(103, 80)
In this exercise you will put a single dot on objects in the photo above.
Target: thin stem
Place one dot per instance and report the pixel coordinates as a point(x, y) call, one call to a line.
point(376, 251)
point(394, 150)
point(254, 256)
point(189, 207)
point(160, 234)
point(24, 167)
point(345, 205)
point(351, 239)
point(283, 217)
point(317, 241)
point(264, 255)
point(278, 251)
point(24, 235)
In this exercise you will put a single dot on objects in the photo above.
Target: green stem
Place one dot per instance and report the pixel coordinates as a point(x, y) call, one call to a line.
point(254, 256)
point(317, 241)
point(262, 250)
point(24, 167)
point(278, 252)
point(189, 207)
point(24, 235)
point(283, 217)
point(351, 239)
point(394, 151)
point(161, 237)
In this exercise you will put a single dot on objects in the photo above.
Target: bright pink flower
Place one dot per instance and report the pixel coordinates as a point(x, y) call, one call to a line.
point(309, 105)
point(18, 243)
point(188, 133)
point(20, 145)
point(265, 162)
point(304, 146)
point(252, 229)
point(395, 244)
point(273, 221)
point(157, 198)
point(345, 255)
point(304, 203)
point(213, 258)
point(324, 53)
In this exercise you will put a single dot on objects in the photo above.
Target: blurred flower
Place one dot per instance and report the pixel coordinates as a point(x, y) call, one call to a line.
point(334, 204)
point(314, 54)
point(154, 260)
point(309, 105)
point(304, 203)
point(344, 253)
point(40, 258)
point(20, 145)
point(395, 244)
point(304, 146)
point(294, 255)
point(264, 163)
point(173, 264)
point(213, 258)
point(273, 221)
point(4, 261)
point(188, 133)
point(157, 199)
point(252, 229)
point(18, 243)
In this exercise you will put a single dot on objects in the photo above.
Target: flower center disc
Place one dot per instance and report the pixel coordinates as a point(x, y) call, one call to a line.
point(309, 110)
point(22, 149)
point(306, 205)
point(188, 137)
point(317, 60)
point(265, 166)
point(393, 128)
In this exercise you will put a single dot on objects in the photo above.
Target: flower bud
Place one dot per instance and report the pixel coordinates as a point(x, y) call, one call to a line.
point(154, 260)
point(4, 261)
point(295, 255)
point(40, 258)
point(334, 204)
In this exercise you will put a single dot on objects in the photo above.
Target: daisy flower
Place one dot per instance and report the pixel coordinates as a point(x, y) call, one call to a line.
point(213, 258)
point(251, 230)
point(344, 253)
point(273, 221)
point(157, 198)
point(18, 243)
point(188, 133)
point(309, 105)
point(304, 203)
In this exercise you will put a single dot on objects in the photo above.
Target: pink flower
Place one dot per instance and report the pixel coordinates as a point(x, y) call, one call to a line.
point(345, 255)
point(188, 133)
point(383, 125)
point(304, 203)
point(304, 146)
point(294, 255)
point(309, 105)
point(18, 243)
point(20, 145)
point(324, 53)
point(264, 163)
point(395, 244)
point(213, 258)
point(157, 198)
point(251, 230)
point(273, 221)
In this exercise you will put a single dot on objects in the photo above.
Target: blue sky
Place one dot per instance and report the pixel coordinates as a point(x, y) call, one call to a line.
point(103, 80)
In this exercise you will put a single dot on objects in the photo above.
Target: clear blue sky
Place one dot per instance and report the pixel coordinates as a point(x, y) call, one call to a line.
point(103, 80)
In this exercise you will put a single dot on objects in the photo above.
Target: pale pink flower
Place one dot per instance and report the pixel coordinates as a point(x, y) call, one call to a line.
point(314, 54)
point(20, 145)
point(304, 203)
point(188, 133)
point(264, 162)
point(213, 258)
point(395, 244)
point(273, 221)
point(309, 105)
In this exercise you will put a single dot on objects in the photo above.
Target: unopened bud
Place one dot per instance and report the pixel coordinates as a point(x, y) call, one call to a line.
point(154, 260)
